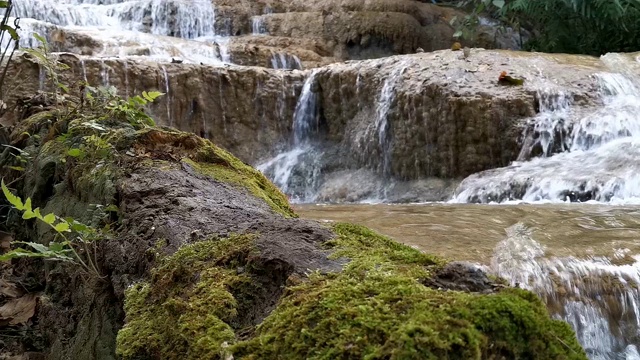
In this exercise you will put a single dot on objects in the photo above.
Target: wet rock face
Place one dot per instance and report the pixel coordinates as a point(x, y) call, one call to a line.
point(461, 276)
point(229, 104)
point(409, 117)
point(437, 114)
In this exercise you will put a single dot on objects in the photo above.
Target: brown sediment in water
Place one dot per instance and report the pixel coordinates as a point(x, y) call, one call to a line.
point(471, 232)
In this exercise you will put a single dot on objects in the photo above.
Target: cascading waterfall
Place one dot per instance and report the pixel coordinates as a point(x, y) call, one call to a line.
point(161, 29)
point(598, 162)
point(285, 61)
point(381, 125)
point(598, 298)
point(297, 171)
point(547, 132)
point(258, 26)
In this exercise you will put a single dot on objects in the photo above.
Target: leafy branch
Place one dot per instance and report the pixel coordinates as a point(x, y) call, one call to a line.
point(69, 233)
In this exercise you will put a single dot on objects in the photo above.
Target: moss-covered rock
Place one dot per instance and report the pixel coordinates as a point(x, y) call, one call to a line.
point(378, 308)
point(185, 310)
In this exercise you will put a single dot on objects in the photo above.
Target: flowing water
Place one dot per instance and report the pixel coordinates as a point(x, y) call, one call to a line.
point(584, 261)
point(161, 29)
point(297, 170)
point(564, 220)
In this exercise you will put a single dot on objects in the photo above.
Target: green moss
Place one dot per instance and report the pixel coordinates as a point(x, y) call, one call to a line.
point(378, 308)
point(184, 311)
point(234, 171)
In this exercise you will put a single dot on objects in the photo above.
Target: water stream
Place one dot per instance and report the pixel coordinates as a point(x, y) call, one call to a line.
point(583, 261)
point(552, 227)
point(161, 29)
point(296, 171)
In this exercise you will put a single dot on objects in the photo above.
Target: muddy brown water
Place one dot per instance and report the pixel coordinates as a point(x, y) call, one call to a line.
point(471, 232)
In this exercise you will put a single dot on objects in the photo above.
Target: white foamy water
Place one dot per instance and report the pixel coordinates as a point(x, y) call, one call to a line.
point(589, 158)
point(297, 170)
point(376, 139)
point(285, 61)
point(599, 299)
point(160, 29)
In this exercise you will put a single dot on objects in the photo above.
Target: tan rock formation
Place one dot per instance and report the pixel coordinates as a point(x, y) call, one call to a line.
point(410, 117)
point(446, 117)
point(357, 29)
point(239, 106)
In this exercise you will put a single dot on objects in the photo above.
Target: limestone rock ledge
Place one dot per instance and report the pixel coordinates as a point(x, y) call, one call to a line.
point(409, 118)
point(207, 260)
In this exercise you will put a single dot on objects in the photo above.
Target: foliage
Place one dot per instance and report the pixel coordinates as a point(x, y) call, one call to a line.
point(87, 141)
point(131, 109)
point(73, 240)
point(49, 63)
point(574, 26)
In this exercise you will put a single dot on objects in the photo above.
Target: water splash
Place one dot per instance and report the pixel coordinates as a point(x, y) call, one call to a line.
point(258, 27)
point(599, 299)
point(596, 162)
point(297, 171)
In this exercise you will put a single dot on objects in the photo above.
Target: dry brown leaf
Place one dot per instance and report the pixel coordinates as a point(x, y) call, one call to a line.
point(9, 289)
point(18, 311)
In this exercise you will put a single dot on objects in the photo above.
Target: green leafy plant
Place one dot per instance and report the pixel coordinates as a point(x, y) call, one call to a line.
point(574, 26)
point(131, 109)
point(50, 64)
point(74, 242)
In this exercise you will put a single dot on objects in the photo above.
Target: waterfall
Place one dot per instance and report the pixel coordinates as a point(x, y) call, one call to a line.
point(285, 61)
point(595, 160)
point(168, 94)
point(381, 125)
point(297, 170)
point(548, 131)
point(104, 73)
point(258, 26)
point(161, 29)
point(600, 299)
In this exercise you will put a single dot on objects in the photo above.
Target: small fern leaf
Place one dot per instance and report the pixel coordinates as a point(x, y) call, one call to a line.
point(28, 214)
point(27, 205)
point(49, 219)
point(62, 227)
point(15, 201)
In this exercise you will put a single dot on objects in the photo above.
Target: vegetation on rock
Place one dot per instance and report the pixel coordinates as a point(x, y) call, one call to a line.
point(377, 308)
point(186, 308)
